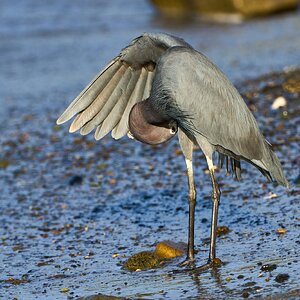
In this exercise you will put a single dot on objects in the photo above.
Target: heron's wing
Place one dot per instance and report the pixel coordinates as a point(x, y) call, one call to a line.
point(207, 104)
point(106, 102)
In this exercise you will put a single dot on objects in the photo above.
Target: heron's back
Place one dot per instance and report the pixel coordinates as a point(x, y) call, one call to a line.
point(215, 108)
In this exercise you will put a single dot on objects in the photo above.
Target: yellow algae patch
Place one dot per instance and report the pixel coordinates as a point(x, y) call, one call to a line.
point(142, 261)
point(163, 252)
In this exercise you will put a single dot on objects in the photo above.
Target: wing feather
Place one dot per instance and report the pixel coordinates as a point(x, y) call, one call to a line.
point(96, 106)
point(110, 105)
point(107, 100)
point(107, 104)
point(88, 95)
point(116, 113)
point(122, 128)
point(148, 85)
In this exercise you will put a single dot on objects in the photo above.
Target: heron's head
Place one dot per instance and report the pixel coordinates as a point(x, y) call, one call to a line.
point(148, 126)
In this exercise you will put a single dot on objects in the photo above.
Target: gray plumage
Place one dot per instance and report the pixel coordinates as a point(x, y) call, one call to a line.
point(187, 86)
point(218, 117)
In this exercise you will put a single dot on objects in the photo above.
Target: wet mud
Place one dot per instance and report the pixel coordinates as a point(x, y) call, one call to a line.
point(74, 210)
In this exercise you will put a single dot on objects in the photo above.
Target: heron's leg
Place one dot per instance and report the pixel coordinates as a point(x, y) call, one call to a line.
point(192, 204)
point(187, 148)
point(214, 219)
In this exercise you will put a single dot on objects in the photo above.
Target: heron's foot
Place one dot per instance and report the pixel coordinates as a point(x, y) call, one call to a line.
point(215, 263)
point(188, 262)
point(191, 267)
point(204, 267)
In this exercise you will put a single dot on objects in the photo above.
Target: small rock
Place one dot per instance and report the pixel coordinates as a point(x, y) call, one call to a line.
point(64, 290)
point(222, 230)
point(250, 283)
point(169, 249)
point(279, 102)
point(178, 152)
point(4, 163)
point(271, 196)
point(268, 267)
point(281, 231)
point(217, 262)
point(75, 180)
point(282, 278)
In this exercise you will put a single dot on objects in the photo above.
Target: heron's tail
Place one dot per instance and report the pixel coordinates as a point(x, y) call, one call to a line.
point(271, 163)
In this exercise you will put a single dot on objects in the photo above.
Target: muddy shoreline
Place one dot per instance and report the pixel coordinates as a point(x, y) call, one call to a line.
point(74, 210)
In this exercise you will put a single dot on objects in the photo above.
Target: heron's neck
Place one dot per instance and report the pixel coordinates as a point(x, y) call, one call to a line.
point(150, 114)
point(148, 125)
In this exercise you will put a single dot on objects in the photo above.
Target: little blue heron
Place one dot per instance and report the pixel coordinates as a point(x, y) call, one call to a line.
point(159, 85)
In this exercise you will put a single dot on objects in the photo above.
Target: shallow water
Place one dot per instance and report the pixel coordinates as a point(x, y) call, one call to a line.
point(73, 210)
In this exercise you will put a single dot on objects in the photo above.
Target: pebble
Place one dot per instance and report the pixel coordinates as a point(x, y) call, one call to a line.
point(280, 278)
point(268, 267)
point(64, 290)
point(75, 180)
point(169, 249)
point(281, 231)
point(279, 102)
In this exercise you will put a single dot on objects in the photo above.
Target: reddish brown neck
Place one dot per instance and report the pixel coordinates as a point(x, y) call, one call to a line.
point(148, 126)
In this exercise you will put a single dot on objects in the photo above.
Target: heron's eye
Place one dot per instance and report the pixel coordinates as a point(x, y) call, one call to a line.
point(173, 130)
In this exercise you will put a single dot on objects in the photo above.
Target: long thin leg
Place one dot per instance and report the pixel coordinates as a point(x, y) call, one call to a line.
point(192, 205)
point(187, 149)
point(214, 219)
